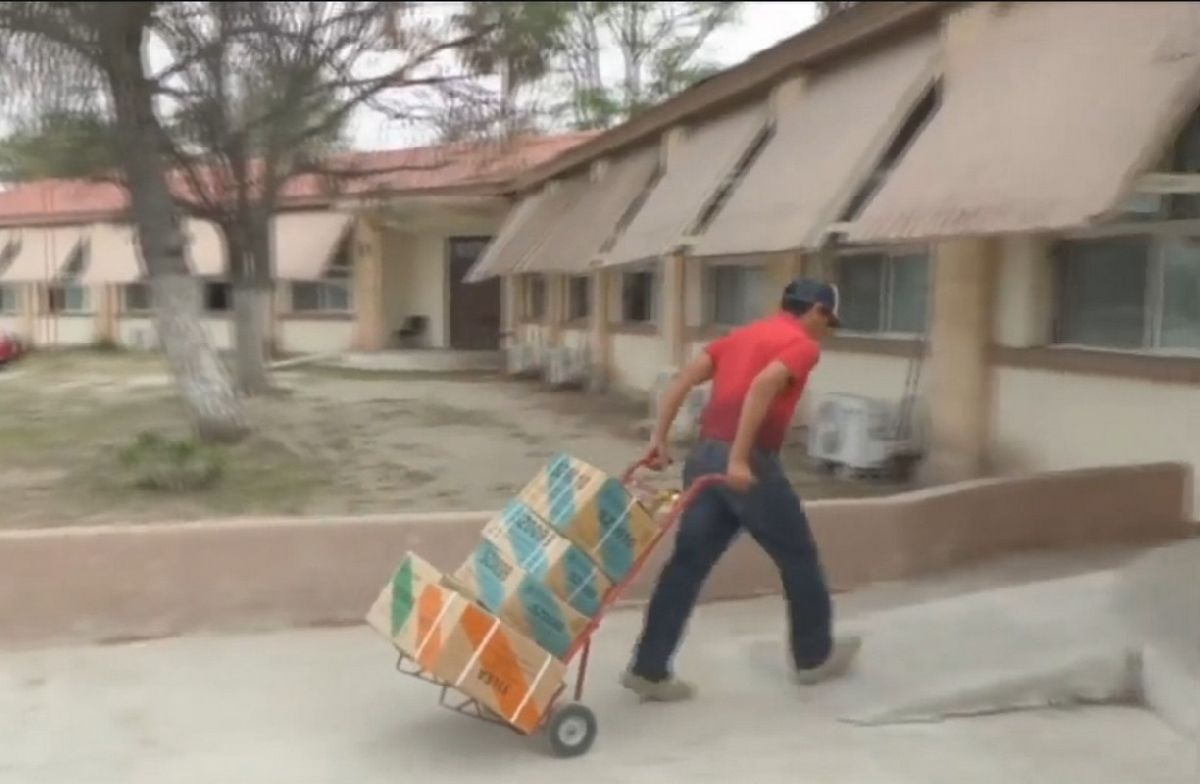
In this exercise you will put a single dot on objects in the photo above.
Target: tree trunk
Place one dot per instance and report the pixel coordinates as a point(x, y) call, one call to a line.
point(251, 310)
point(209, 397)
point(216, 413)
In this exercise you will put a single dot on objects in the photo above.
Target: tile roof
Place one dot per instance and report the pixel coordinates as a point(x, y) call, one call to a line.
point(410, 170)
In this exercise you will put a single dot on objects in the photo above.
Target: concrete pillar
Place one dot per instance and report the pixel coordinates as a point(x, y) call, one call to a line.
point(370, 325)
point(672, 316)
point(782, 269)
point(1024, 293)
point(509, 309)
point(30, 307)
point(107, 299)
point(600, 340)
point(959, 402)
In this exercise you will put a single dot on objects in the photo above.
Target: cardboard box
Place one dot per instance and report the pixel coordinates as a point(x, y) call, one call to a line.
point(530, 544)
point(594, 511)
point(519, 599)
point(461, 644)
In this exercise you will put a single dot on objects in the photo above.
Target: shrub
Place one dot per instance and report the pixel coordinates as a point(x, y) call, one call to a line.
point(155, 462)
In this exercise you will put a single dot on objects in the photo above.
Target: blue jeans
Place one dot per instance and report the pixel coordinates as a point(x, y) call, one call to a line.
point(771, 513)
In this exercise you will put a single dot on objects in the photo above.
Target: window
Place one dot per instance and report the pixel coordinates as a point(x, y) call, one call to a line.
point(218, 296)
point(1133, 292)
point(136, 298)
point(68, 295)
point(333, 293)
point(884, 293)
point(737, 294)
point(10, 300)
point(579, 298)
point(534, 306)
point(639, 297)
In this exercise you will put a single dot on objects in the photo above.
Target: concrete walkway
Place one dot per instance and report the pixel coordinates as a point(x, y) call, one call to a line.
point(321, 706)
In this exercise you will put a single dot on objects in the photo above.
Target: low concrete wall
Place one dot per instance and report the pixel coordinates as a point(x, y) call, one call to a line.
point(111, 583)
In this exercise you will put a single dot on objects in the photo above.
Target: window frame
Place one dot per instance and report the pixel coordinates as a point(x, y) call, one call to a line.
point(889, 257)
point(12, 299)
point(572, 285)
point(1158, 237)
point(534, 297)
point(125, 306)
point(712, 291)
point(59, 291)
point(213, 284)
point(644, 273)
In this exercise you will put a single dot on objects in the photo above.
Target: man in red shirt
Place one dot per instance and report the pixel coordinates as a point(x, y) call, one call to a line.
point(758, 373)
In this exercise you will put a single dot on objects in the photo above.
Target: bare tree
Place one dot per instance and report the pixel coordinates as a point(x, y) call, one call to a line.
point(261, 92)
point(92, 54)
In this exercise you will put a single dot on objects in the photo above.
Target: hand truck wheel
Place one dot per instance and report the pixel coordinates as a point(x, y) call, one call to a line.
point(572, 730)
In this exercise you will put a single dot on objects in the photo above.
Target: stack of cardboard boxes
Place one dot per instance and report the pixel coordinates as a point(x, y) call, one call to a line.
point(501, 627)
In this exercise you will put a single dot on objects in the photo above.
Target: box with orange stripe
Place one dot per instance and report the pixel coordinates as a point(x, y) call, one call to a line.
point(458, 642)
point(594, 511)
point(519, 599)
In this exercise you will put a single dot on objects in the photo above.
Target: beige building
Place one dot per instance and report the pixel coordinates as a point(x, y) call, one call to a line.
point(1008, 195)
point(376, 266)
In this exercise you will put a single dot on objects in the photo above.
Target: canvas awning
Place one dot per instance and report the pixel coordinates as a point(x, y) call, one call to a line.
point(826, 141)
point(305, 242)
point(696, 167)
point(1051, 112)
point(580, 235)
point(114, 255)
point(41, 253)
point(527, 227)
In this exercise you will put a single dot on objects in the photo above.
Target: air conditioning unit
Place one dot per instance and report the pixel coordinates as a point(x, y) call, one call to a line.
point(859, 436)
point(523, 359)
point(688, 420)
point(567, 367)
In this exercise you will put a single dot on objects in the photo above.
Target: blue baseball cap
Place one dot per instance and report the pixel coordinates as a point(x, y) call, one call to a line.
point(809, 291)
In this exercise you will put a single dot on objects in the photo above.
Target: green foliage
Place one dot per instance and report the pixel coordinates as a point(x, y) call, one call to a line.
point(60, 144)
point(155, 462)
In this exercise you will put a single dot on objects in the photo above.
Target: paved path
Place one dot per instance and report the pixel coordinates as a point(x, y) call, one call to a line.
point(324, 706)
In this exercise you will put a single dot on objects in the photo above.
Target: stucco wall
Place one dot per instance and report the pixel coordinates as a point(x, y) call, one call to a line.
point(1045, 420)
point(122, 582)
point(313, 336)
point(414, 274)
point(636, 361)
point(66, 330)
point(13, 325)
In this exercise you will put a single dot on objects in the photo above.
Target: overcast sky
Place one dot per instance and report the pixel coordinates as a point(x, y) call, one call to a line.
point(762, 25)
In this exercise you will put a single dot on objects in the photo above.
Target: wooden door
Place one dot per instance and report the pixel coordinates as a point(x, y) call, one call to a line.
point(474, 307)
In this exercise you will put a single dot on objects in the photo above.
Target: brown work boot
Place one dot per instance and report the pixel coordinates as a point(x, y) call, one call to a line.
point(841, 658)
point(670, 689)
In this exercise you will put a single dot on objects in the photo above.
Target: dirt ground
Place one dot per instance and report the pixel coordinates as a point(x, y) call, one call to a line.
point(330, 442)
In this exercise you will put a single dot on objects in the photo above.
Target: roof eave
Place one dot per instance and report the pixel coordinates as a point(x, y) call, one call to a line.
point(858, 25)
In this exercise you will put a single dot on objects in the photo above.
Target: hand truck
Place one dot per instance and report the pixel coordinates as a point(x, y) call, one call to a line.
point(570, 725)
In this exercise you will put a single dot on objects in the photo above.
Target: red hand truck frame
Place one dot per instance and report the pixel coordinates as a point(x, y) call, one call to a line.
point(571, 726)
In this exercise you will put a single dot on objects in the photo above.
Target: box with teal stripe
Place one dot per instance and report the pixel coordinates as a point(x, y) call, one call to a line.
point(519, 599)
point(594, 511)
point(528, 542)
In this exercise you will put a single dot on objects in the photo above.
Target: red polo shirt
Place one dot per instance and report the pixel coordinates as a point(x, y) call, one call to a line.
point(739, 357)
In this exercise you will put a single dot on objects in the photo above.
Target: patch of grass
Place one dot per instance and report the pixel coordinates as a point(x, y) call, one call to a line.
point(156, 462)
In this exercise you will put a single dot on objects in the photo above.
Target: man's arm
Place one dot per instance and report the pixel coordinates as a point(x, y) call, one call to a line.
point(793, 365)
point(693, 374)
point(767, 385)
